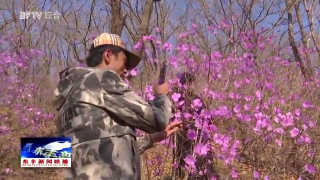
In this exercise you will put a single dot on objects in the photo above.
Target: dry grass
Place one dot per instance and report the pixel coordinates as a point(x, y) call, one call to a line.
point(9, 155)
point(10, 158)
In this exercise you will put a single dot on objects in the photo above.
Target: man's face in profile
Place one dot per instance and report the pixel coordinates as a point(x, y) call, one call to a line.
point(116, 62)
point(123, 74)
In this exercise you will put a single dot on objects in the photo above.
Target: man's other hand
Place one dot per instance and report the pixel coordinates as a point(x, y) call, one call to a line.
point(170, 130)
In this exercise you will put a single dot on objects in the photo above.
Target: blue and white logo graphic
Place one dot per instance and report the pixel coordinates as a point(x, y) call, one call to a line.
point(45, 147)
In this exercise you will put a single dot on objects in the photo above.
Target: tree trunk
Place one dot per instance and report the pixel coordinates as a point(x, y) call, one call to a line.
point(292, 41)
point(117, 21)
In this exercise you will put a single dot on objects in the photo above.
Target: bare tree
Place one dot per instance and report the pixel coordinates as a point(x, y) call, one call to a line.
point(304, 70)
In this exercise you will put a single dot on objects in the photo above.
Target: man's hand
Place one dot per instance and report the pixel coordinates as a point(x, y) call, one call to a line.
point(173, 127)
point(170, 130)
point(162, 88)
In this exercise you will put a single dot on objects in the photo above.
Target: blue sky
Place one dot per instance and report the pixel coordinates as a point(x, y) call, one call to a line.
point(179, 10)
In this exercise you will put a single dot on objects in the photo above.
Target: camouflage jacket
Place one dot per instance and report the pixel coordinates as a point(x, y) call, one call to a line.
point(95, 104)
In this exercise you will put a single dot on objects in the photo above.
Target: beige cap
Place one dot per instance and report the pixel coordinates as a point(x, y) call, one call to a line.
point(113, 39)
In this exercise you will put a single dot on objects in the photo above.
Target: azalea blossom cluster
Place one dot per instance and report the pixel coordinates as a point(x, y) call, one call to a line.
point(23, 106)
point(19, 103)
point(258, 111)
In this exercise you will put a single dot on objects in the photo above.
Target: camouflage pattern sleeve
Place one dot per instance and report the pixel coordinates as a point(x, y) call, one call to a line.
point(129, 108)
point(144, 143)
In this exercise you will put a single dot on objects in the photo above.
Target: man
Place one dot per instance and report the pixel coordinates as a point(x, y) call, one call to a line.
point(100, 112)
point(183, 145)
